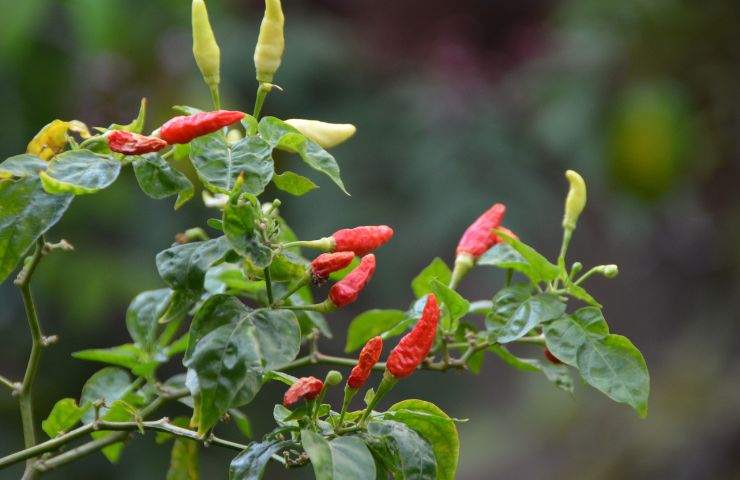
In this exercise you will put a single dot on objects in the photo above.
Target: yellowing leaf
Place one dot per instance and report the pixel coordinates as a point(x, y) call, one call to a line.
point(53, 137)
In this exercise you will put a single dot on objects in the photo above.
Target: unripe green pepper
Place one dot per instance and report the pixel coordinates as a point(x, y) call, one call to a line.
point(575, 201)
point(205, 49)
point(333, 378)
point(270, 43)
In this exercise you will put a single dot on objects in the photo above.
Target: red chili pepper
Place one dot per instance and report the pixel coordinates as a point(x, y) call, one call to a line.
point(361, 240)
point(552, 358)
point(326, 263)
point(369, 356)
point(305, 387)
point(183, 129)
point(130, 143)
point(347, 289)
point(479, 237)
point(415, 345)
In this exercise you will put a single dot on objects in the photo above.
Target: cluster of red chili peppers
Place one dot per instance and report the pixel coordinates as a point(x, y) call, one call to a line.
point(181, 129)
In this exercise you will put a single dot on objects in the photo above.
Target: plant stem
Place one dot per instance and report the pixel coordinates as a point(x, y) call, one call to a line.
point(349, 394)
point(268, 287)
point(55, 443)
point(567, 234)
point(385, 386)
point(8, 383)
point(302, 282)
point(38, 342)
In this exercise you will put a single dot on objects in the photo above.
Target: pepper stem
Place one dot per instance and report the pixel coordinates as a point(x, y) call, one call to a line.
point(464, 262)
point(325, 244)
point(259, 101)
point(215, 95)
point(302, 282)
point(324, 307)
point(349, 394)
point(385, 386)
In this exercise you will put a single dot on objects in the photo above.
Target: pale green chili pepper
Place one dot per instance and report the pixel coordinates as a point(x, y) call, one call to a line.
point(271, 43)
point(205, 49)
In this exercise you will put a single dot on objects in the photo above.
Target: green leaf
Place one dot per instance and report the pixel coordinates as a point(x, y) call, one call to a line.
point(293, 183)
point(159, 180)
point(238, 225)
point(26, 213)
point(184, 266)
point(79, 172)
point(242, 422)
point(281, 135)
point(530, 313)
point(456, 305)
point(503, 255)
point(219, 164)
point(120, 411)
point(343, 458)
point(401, 450)
point(565, 336)
point(230, 346)
point(127, 355)
point(370, 324)
point(616, 367)
point(184, 460)
point(508, 299)
point(143, 314)
point(108, 385)
point(287, 267)
point(438, 269)
point(21, 166)
point(524, 364)
point(542, 269)
point(65, 415)
point(580, 293)
point(435, 427)
point(251, 463)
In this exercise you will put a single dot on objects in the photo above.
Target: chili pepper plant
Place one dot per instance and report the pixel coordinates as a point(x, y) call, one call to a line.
point(244, 302)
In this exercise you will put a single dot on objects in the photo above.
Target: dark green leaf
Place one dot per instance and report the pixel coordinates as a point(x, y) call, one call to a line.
point(79, 172)
point(108, 385)
point(401, 450)
point(568, 333)
point(251, 463)
point(219, 164)
point(435, 427)
point(343, 458)
point(530, 313)
point(143, 314)
point(293, 183)
point(421, 284)
point(525, 364)
point(184, 460)
point(580, 293)
point(281, 135)
point(369, 324)
point(229, 348)
point(26, 213)
point(615, 366)
point(159, 180)
point(238, 225)
point(65, 415)
point(184, 266)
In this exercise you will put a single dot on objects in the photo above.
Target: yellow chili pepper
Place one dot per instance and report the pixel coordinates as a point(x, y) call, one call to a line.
point(270, 44)
point(327, 135)
point(205, 49)
point(575, 201)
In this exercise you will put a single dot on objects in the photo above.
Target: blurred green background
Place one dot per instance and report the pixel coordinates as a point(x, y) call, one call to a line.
point(458, 105)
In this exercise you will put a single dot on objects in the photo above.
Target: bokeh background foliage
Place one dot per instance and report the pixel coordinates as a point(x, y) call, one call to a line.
point(458, 105)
